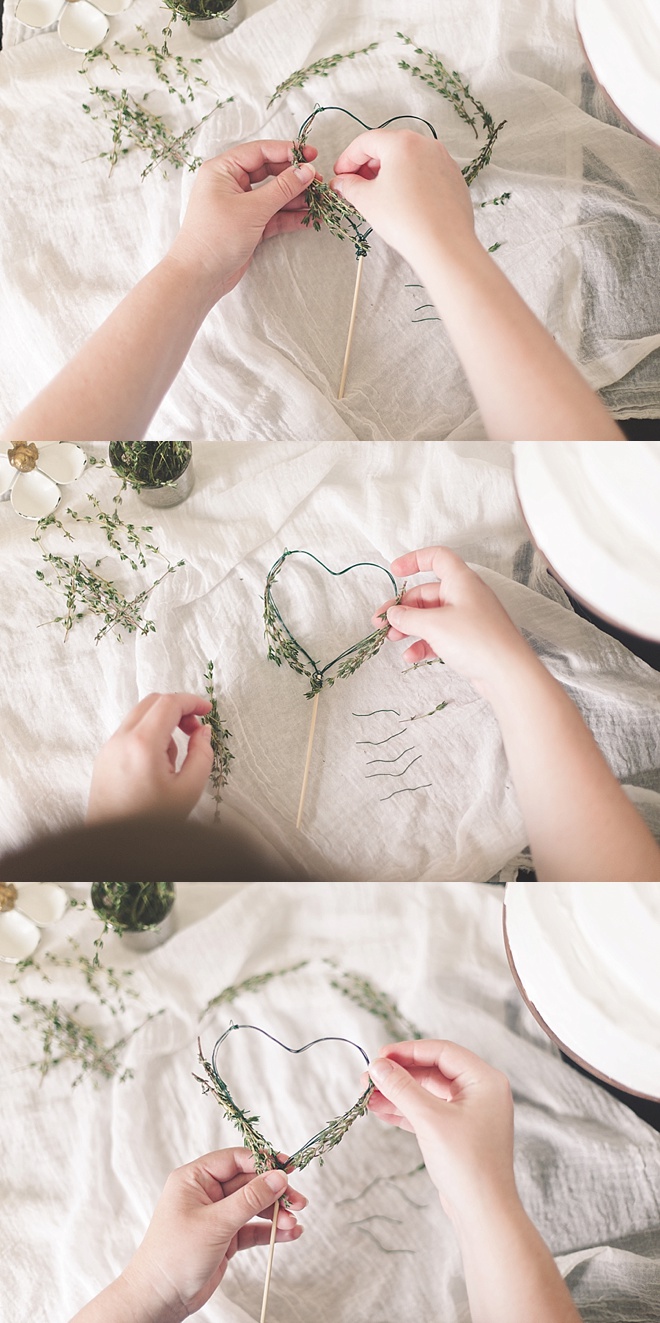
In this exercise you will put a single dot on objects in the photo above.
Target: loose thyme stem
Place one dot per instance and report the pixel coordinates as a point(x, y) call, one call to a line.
point(222, 758)
point(320, 68)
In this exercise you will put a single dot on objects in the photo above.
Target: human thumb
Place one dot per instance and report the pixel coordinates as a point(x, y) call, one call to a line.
point(409, 620)
point(351, 187)
point(399, 1087)
point(253, 1198)
point(199, 761)
point(283, 188)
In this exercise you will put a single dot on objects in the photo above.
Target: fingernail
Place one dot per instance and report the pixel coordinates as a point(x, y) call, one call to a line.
point(276, 1181)
point(395, 613)
point(208, 733)
point(337, 186)
point(304, 171)
point(379, 1070)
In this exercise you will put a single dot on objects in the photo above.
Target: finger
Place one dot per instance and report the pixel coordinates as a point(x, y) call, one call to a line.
point(294, 1197)
point(189, 725)
point(450, 1059)
point(285, 222)
point(136, 713)
point(365, 150)
point(258, 1194)
point(427, 595)
point(252, 156)
point(197, 766)
point(418, 652)
point(167, 712)
point(409, 620)
point(270, 168)
point(254, 1234)
point(282, 188)
point(441, 560)
point(398, 1086)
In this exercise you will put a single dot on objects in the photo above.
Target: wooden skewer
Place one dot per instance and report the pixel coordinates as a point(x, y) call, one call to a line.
point(351, 328)
point(303, 792)
point(269, 1268)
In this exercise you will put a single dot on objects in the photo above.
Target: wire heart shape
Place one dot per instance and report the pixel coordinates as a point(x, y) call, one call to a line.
point(266, 1154)
point(283, 646)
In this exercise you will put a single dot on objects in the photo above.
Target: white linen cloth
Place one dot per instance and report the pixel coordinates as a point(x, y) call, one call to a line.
point(580, 234)
point(84, 1170)
point(344, 503)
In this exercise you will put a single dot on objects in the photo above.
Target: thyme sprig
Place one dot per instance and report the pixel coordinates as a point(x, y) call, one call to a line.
point(134, 125)
point(265, 1153)
point(320, 68)
point(219, 737)
point(364, 993)
point(420, 715)
point(450, 85)
point(283, 647)
point(251, 984)
point(324, 206)
point(64, 1038)
point(102, 980)
point(85, 591)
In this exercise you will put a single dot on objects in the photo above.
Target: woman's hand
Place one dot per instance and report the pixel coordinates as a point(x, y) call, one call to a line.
point(410, 190)
point(135, 772)
point(458, 619)
point(203, 1217)
point(227, 217)
point(460, 1111)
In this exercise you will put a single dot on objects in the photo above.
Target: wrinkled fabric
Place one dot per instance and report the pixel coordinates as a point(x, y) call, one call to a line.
point(588, 1169)
point(580, 235)
point(446, 809)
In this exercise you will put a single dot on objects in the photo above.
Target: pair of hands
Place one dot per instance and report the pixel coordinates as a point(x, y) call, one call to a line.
point(458, 1107)
point(457, 618)
point(408, 188)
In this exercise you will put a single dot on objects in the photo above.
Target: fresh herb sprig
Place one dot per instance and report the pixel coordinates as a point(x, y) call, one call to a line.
point(364, 993)
point(450, 85)
point(320, 68)
point(64, 1038)
point(86, 592)
point(134, 125)
point(251, 984)
point(222, 758)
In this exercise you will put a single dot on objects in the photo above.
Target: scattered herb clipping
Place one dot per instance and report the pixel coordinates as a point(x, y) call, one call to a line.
point(219, 737)
point(134, 125)
point(320, 68)
point(63, 1037)
point(451, 86)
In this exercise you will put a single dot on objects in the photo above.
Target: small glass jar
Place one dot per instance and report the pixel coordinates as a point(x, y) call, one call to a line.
point(143, 914)
point(218, 26)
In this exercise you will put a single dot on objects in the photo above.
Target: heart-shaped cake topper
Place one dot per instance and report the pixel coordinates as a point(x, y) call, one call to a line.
point(265, 1153)
point(283, 647)
point(326, 206)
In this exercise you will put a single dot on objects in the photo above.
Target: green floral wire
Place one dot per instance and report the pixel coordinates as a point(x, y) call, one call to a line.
point(283, 646)
point(265, 1153)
